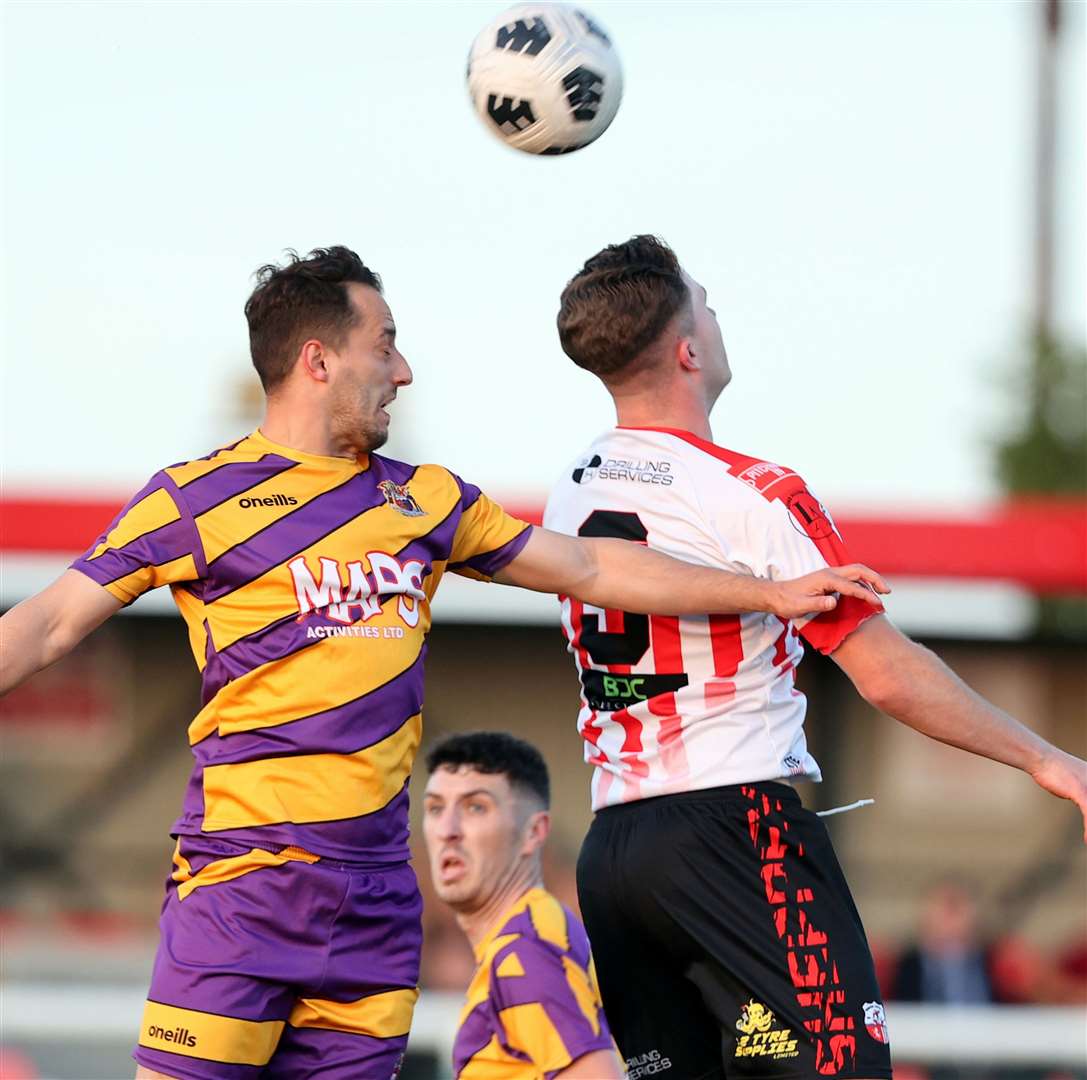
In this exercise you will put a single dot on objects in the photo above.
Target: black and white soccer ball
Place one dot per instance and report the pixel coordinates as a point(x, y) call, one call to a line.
point(545, 78)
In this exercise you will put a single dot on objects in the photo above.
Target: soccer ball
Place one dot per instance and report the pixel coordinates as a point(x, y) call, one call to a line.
point(545, 78)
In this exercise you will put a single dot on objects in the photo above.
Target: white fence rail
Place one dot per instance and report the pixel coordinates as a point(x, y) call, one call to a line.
point(920, 1034)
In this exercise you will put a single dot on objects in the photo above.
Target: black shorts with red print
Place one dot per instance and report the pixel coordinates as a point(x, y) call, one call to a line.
point(726, 941)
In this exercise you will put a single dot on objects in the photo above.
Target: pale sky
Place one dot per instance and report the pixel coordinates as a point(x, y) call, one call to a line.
point(851, 182)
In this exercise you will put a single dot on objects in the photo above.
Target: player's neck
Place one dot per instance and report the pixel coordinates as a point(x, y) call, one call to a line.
point(302, 430)
point(649, 410)
point(479, 923)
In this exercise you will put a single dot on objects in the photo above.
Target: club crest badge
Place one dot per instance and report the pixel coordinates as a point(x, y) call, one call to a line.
point(875, 1021)
point(398, 496)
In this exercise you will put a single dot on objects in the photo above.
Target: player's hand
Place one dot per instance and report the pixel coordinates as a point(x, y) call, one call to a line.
point(819, 592)
point(1065, 776)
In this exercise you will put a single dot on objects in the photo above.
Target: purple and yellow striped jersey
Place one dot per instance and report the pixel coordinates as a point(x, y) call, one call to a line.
point(533, 1005)
point(306, 583)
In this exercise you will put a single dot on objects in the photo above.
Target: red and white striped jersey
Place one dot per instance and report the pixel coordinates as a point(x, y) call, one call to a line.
point(676, 704)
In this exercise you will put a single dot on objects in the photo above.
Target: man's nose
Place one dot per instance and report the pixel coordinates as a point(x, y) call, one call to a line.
point(449, 824)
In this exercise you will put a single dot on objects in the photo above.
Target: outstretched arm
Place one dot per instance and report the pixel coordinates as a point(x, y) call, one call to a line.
point(45, 627)
point(630, 577)
point(913, 685)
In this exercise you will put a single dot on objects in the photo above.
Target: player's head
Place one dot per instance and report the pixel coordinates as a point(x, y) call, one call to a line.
point(319, 328)
point(634, 317)
point(485, 816)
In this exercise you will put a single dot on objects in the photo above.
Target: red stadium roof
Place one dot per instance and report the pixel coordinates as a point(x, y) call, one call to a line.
point(1038, 543)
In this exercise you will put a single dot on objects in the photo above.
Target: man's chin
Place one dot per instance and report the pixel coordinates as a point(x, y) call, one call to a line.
point(373, 438)
point(460, 897)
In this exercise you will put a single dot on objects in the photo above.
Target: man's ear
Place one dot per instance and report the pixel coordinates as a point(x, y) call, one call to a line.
point(312, 360)
point(686, 355)
point(537, 829)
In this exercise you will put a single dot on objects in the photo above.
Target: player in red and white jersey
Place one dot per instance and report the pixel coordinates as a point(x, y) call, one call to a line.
point(677, 704)
point(726, 940)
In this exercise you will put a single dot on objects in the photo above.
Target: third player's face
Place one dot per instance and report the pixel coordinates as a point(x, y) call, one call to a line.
point(709, 343)
point(475, 834)
point(365, 373)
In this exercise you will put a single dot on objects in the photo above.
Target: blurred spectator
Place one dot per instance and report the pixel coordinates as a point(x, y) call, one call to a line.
point(949, 964)
point(15, 1065)
point(1068, 982)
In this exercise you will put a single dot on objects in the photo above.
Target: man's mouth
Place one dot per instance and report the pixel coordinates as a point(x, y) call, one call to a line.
point(451, 866)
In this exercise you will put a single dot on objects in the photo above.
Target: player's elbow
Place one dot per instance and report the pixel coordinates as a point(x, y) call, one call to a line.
point(892, 685)
point(888, 669)
point(882, 690)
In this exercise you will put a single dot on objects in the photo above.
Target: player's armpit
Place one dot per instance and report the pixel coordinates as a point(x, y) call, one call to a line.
point(43, 628)
point(597, 1065)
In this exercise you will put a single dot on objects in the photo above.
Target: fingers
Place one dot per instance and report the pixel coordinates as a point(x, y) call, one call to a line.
point(860, 572)
point(807, 605)
point(860, 590)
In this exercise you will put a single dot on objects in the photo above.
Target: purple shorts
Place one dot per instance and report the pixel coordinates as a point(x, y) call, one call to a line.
point(281, 964)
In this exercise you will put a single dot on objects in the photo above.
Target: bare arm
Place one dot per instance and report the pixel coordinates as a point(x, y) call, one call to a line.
point(913, 685)
point(630, 577)
point(597, 1065)
point(42, 629)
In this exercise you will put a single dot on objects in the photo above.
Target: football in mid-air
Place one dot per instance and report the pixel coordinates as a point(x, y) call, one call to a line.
point(545, 78)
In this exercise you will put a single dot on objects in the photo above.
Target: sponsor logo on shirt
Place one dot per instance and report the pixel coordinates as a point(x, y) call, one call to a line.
point(352, 593)
point(636, 471)
point(762, 1036)
point(398, 497)
point(875, 1021)
point(271, 500)
point(180, 1035)
point(763, 475)
point(586, 470)
point(648, 1064)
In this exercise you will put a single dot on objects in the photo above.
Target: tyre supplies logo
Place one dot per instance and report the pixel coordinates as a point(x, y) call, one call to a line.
point(762, 1036)
point(398, 496)
point(875, 1021)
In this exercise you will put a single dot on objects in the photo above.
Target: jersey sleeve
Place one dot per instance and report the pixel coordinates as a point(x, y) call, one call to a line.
point(801, 537)
point(547, 1005)
point(487, 538)
point(153, 541)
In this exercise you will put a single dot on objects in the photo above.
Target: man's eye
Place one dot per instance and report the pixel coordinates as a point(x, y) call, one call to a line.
point(432, 808)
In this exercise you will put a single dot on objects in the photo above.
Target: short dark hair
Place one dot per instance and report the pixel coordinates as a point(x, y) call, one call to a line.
point(495, 752)
point(619, 303)
point(304, 298)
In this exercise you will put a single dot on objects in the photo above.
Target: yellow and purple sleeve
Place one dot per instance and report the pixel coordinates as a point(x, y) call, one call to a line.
point(153, 541)
point(487, 538)
point(548, 1005)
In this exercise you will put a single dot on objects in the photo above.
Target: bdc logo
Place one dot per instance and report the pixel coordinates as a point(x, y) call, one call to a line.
point(587, 469)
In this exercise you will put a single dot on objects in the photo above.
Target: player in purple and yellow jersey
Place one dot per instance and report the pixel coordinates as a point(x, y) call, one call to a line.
point(533, 1010)
point(304, 564)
